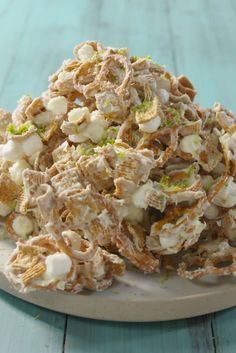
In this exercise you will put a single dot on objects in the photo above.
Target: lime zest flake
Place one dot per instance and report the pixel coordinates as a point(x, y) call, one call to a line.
point(12, 129)
point(107, 141)
point(174, 113)
point(107, 103)
point(121, 154)
point(114, 130)
point(87, 151)
point(191, 170)
point(165, 183)
point(122, 51)
point(41, 131)
point(143, 107)
point(172, 119)
point(134, 58)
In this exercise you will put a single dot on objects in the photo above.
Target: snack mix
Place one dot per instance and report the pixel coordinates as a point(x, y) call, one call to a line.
point(114, 164)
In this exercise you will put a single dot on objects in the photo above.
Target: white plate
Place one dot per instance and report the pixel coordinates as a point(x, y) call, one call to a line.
point(136, 297)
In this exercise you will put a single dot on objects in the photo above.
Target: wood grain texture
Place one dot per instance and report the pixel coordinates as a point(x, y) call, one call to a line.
point(104, 337)
point(28, 328)
point(195, 37)
point(224, 328)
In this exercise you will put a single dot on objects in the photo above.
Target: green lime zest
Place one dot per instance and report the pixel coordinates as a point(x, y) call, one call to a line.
point(12, 129)
point(165, 183)
point(162, 197)
point(106, 141)
point(158, 66)
point(121, 154)
point(114, 130)
point(41, 131)
point(143, 107)
point(172, 119)
point(122, 51)
point(191, 170)
point(86, 151)
point(107, 103)
point(174, 113)
point(133, 58)
point(167, 123)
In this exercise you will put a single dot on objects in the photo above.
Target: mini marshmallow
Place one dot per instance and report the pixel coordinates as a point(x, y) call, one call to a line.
point(12, 151)
point(32, 144)
point(77, 138)
point(77, 114)
point(4, 209)
point(86, 52)
point(211, 212)
point(191, 144)
point(58, 105)
point(170, 241)
point(44, 118)
point(96, 127)
point(23, 226)
point(57, 266)
point(207, 181)
point(151, 126)
point(139, 196)
point(17, 169)
point(163, 95)
point(226, 197)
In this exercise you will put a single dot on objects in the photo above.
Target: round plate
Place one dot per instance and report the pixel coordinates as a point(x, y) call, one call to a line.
point(135, 296)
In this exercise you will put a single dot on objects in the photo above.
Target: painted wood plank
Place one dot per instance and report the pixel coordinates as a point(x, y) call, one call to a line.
point(170, 32)
point(28, 328)
point(204, 40)
point(12, 28)
point(182, 336)
point(224, 325)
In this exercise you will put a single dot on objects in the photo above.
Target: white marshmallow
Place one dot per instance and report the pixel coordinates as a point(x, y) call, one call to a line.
point(95, 129)
point(43, 118)
point(57, 266)
point(207, 182)
point(12, 151)
point(32, 144)
point(57, 105)
point(191, 144)
point(226, 197)
point(151, 126)
point(219, 169)
point(4, 209)
point(211, 212)
point(86, 52)
point(17, 169)
point(169, 241)
point(77, 113)
point(163, 95)
point(23, 226)
point(139, 197)
point(77, 138)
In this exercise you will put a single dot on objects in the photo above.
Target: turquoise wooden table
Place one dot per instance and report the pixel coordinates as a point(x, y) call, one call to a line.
point(196, 38)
